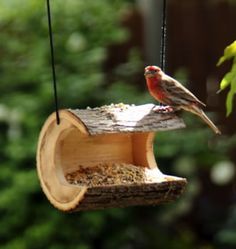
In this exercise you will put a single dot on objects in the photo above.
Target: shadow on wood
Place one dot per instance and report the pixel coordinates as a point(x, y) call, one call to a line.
point(103, 157)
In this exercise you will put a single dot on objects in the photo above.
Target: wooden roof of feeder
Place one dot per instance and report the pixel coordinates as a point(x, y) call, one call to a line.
point(103, 157)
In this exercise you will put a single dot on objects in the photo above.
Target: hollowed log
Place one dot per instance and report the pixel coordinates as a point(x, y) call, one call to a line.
point(103, 157)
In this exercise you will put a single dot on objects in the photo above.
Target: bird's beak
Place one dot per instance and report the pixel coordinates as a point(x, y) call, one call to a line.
point(149, 73)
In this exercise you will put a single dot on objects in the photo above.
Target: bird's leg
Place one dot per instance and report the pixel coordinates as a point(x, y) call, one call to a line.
point(163, 109)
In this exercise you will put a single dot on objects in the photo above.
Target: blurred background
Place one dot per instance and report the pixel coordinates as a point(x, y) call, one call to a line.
point(101, 49)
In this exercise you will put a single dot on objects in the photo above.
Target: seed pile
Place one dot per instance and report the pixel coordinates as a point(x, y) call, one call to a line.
point(112, 174)
point(112, 107)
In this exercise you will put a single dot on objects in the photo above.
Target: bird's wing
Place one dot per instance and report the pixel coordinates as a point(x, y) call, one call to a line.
point(175, 88)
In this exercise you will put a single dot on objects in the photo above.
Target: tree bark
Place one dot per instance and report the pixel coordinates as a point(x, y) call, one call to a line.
point(127, 118)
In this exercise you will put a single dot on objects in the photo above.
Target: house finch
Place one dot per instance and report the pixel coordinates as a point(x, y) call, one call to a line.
point(170, 92)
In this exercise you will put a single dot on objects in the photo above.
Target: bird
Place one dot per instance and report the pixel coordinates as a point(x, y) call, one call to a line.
point(172, 93)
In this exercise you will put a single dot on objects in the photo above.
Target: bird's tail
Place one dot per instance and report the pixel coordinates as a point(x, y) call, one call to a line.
point(198, 111)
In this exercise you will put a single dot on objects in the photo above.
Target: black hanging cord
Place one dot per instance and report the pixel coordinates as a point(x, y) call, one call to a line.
point(163, 37)
point(53, 61)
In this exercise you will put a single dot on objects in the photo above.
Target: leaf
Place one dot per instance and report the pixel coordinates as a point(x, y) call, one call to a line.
point(229, 52)
point(229, 103)
point(230, 98)
point(226, 81)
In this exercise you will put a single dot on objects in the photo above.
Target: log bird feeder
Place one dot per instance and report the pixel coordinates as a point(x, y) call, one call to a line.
point(103, 157)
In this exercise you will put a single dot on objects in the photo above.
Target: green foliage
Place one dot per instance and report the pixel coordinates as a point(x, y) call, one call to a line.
point(82, 32)
point(229, 80)
point(226, 236)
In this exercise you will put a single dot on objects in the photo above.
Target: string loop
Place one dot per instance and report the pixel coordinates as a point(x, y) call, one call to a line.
point(53, 61)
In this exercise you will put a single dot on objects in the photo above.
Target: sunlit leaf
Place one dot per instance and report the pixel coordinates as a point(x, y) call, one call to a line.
point(230, 99)
point(225, 81)
point(229, 102)
point(229, 52)
point(230, 78)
